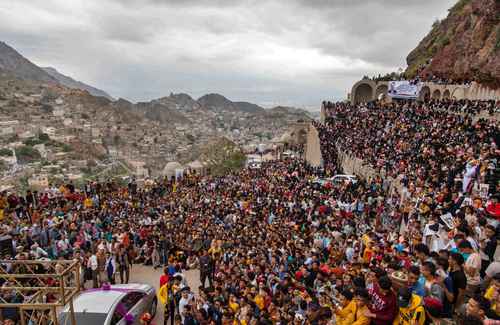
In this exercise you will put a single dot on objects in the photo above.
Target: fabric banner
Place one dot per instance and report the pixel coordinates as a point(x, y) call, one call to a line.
point(404, 89)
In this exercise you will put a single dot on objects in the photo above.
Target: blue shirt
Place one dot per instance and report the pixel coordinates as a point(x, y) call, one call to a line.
point(171, 270)
point(448, 306)
point(419, 287)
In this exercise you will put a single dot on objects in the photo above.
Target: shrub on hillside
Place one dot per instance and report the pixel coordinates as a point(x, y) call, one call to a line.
point(26, 154)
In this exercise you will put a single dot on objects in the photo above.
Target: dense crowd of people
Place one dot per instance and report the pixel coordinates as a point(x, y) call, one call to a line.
point(282, 244)
point(420, 77)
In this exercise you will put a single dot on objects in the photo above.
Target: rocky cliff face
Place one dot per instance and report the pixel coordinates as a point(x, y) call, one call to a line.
point(463, 46)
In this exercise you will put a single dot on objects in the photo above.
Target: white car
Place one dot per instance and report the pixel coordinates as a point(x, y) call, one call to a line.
point(254, 165)
point(337, 179)
point(109, 307)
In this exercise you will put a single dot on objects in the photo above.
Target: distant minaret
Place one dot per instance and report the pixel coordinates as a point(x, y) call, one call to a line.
point(14, 165)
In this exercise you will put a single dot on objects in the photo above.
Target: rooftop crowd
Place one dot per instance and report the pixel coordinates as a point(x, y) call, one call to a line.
point(274, 245)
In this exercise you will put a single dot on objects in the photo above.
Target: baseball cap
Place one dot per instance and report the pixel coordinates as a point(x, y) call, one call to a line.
point(434, 306)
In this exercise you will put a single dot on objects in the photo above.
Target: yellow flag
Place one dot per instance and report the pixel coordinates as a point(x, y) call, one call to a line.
point(174, 188)
point(163, 294)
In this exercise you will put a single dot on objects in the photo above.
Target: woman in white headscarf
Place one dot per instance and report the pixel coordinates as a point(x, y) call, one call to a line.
point(471, 171)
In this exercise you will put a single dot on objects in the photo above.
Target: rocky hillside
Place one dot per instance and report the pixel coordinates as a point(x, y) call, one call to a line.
point(162, 113)
point(181, 101)
point(75, 84)
point(218, 102)
point(465, 45)
point(18, 66)
point(284, 110)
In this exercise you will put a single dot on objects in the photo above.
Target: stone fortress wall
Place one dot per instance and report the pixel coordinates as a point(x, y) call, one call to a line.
point(367, 90)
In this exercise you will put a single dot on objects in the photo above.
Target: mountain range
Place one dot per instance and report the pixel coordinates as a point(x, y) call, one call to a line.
point(164, 108)
point(75, 84)
point(174, 108)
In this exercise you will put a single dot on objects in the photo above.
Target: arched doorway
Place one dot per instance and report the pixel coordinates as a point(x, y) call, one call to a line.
point(458, 93)
point(381, 90)
point(425, 93)
point(436, 94)
point(363, 93)
point(446, 94)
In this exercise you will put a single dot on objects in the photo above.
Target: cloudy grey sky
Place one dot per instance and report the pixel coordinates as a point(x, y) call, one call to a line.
point(289, 52)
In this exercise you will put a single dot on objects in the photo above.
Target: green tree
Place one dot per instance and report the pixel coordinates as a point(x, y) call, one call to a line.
point(4, 152)
point(66, 148)
point(26, 154)
point(32, 142)
point(44, 137)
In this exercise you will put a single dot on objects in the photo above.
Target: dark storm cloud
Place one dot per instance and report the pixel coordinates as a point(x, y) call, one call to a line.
point(299, 51)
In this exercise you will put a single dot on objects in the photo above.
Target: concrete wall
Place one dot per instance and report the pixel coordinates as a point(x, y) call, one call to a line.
point(313, 148)
point(356, 166)
point(349, 164)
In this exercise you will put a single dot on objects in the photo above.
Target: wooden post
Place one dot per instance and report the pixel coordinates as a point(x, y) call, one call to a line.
point(61, 288)
point(55, 321)
point(72, 311)
point(78, 286)
point(23, 320)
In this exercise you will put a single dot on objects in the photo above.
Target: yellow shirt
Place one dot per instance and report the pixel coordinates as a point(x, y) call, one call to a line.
point(360, 318)
point(88, 203)
point(345, 316)
point(365, 239)
point(214, 250)
point(259, 301)
point(3, 202)
point(367, 255)
point(234, 307)
point(408, 315)
point(489, 295)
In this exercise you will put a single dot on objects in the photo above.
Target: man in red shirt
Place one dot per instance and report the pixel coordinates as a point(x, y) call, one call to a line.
point(493, 207)
point(383, 308)
point(164, 277)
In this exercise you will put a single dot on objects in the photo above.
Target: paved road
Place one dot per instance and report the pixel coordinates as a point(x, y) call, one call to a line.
point(146, 274)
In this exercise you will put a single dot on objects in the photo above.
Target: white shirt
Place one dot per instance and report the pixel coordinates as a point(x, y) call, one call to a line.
point(39, 252)
point(182, 305)
point(474, 260)
point(63, 244)
point(92, 263)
